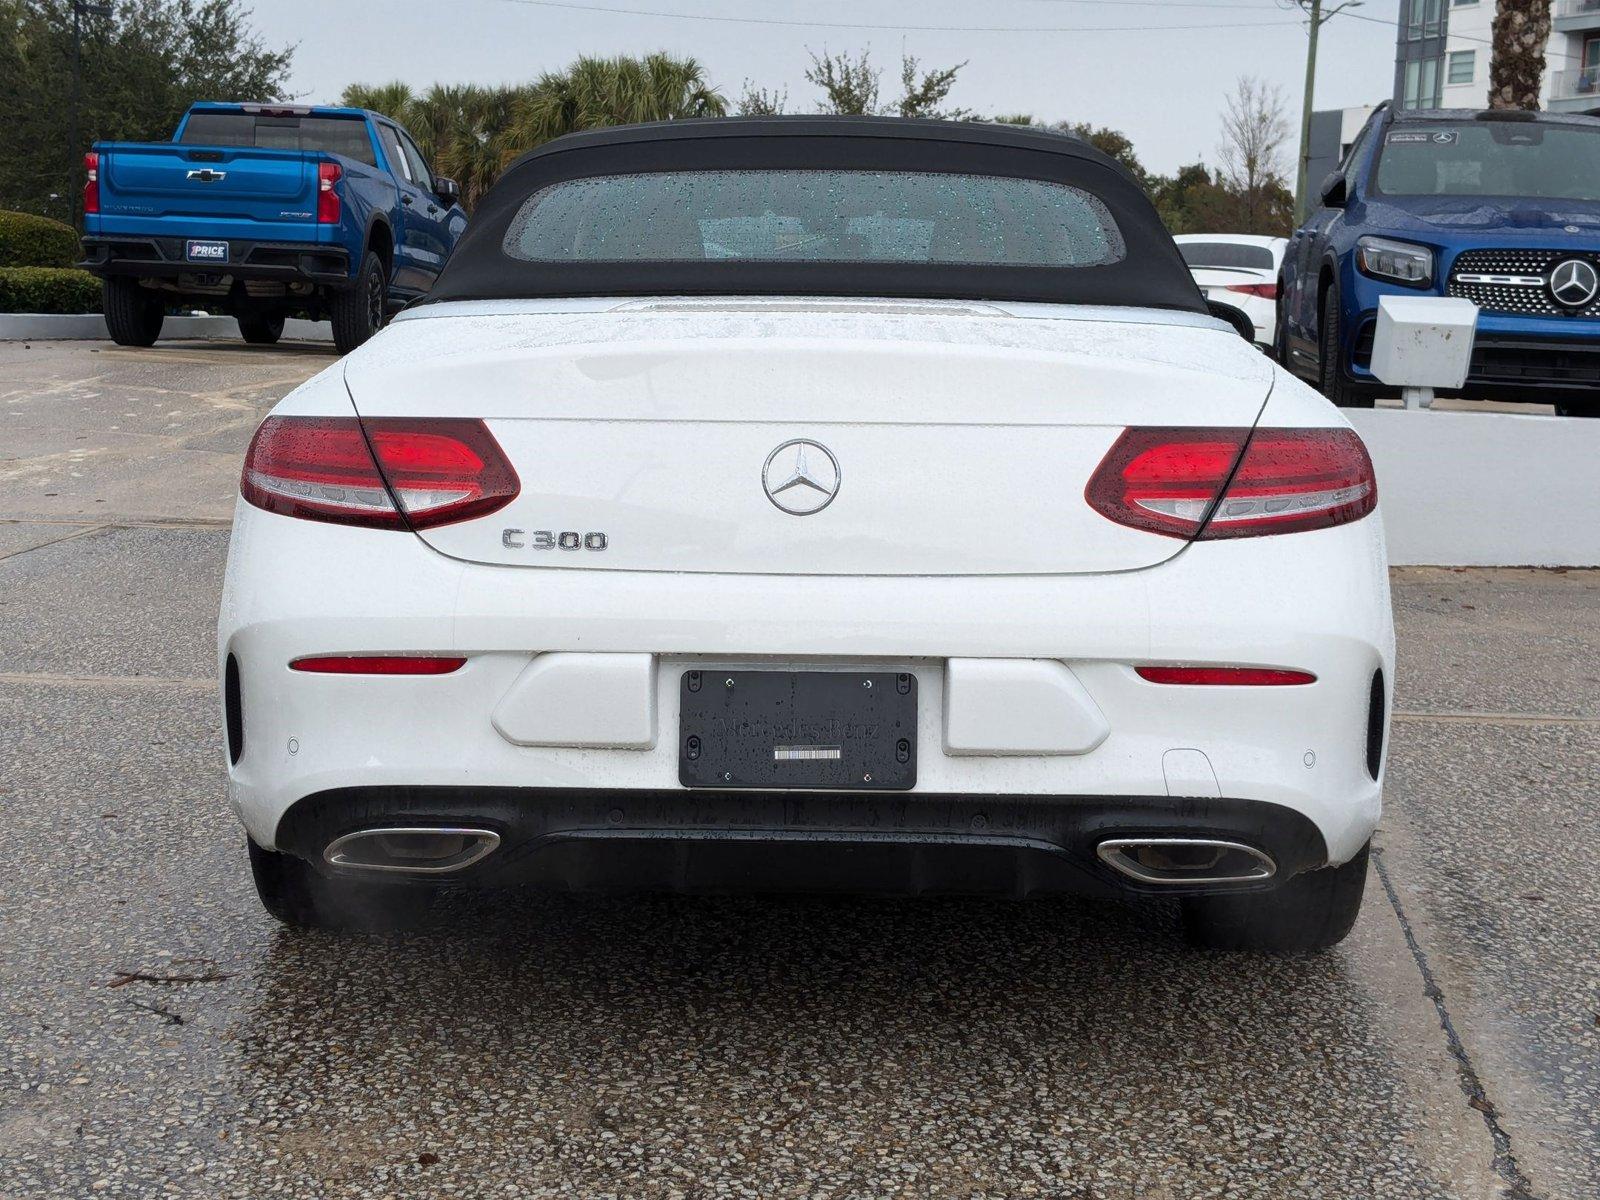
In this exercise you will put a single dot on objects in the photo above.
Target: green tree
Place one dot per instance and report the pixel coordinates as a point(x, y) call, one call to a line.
point(850, 87)
point(596, 92)
point(142, 68)
point(759, 102)
point(1112, 143)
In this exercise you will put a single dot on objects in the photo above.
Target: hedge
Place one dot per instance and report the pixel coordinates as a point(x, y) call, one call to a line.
point(48, 290)
point(29, 241)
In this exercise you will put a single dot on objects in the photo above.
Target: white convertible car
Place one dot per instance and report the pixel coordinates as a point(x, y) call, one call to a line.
point(811, 503)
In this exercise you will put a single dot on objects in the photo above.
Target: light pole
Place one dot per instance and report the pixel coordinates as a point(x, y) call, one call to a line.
point(1319, 18)
point(80, 9)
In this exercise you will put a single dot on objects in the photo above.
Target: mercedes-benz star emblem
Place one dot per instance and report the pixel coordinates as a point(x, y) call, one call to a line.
point(1574, 283)
point(801, 477)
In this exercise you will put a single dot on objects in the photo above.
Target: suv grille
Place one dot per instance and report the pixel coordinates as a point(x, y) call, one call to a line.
point(1521, 286)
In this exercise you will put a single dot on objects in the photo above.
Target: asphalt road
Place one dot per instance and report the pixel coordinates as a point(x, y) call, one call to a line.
point(160, 1035)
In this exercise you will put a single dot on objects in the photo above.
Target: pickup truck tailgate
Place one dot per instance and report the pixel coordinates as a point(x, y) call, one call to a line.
point(172, 180)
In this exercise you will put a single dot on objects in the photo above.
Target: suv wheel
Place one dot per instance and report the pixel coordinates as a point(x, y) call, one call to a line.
point(261, 329)
point(133, 313)
point(1307, 913)
point(358, 311)
point(296, 893)
point(1332, 382)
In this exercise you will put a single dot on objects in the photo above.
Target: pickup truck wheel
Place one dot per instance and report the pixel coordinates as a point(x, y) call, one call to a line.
point(1332, 383)
point(358, 312)
point(260, 329)
point(299, 895)
point(1310, 912)
point(133, 314)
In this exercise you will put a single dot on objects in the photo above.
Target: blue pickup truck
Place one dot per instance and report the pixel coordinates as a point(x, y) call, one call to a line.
point(1499, 207)
point(264, 211)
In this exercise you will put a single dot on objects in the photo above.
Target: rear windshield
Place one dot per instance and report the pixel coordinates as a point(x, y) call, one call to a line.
point(1491, 158)
point(820, 216)
point(333, 135)
point(1225, 254)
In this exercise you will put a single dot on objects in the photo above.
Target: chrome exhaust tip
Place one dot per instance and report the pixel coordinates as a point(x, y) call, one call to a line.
point(420, 850)
point(1186, 861)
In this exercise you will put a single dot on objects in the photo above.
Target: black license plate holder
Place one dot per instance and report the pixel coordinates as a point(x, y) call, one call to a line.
point(200, 250)
point(844, 730)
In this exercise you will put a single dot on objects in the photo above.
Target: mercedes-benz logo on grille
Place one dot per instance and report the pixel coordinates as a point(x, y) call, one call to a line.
point(801, 477)
point(1574, 283)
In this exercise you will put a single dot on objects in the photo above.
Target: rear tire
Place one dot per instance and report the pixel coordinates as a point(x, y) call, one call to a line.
point(1333, 383)
point(1310, 912)
point(261, 329)
point(358, 312)
point(133, 314)
point(300, 896)
point(1581, 408)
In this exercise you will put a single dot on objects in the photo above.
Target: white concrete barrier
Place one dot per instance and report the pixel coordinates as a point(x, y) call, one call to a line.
point(49, 327)
point(1486, 489)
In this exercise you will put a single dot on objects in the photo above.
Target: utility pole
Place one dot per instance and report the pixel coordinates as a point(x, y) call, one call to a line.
point(80, 9)
point(1302, 202)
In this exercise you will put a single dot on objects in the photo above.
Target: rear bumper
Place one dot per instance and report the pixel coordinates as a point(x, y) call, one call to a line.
point(163, 258)
point(591, 839)
point(1316, 602)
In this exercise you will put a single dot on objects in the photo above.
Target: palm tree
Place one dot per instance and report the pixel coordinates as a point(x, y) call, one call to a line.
point(470, 153)
point(1516, 60)
point(391, 99)
point(596, 92)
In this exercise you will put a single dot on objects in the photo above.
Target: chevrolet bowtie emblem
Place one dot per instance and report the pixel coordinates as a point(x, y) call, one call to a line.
point(801, 477)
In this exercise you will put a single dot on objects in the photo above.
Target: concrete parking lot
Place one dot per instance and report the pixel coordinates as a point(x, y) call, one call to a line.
point(163, 1036)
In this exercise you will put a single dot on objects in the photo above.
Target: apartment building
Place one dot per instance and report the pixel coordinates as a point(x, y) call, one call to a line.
point(1442, 52)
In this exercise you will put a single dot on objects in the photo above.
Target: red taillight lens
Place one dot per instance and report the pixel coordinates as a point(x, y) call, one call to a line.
point(91, 182)
point(1267, 291)
point(328, 174)
point(1278, 481)
point(378, 664)
point(426, 472)
point(1225, 676)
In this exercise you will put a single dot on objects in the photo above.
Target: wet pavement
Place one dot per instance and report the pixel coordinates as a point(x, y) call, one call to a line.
point(160, 1035)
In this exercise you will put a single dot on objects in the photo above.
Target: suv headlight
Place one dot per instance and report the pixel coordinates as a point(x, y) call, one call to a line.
point(1399, 261)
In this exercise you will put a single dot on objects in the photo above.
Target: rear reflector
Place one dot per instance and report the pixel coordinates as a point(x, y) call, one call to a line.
point(433, 472)
point(1278, 481)
point(378, 664)
point(1225, 676)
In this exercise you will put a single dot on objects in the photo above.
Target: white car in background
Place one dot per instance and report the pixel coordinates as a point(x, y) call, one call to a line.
point(811, 503)
point(1240, 269)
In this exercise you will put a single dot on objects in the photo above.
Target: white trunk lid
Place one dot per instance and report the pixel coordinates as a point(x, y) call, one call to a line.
point(963, 434)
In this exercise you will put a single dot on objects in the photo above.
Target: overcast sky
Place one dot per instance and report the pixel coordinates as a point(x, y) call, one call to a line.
point(1158, 70)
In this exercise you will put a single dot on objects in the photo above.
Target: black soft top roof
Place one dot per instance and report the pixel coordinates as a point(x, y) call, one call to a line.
point(1151, 273)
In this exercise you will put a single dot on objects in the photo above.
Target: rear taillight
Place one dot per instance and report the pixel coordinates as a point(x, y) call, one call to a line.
point(425, 473)
point(91, 182)
point(1278, 481)
point(1267, 291)
point(328, 174)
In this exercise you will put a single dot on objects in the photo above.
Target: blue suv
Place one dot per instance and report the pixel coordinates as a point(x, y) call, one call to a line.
point(1499, 207)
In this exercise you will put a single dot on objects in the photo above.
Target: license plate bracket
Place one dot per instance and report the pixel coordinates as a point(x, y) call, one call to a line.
point(845, 730)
